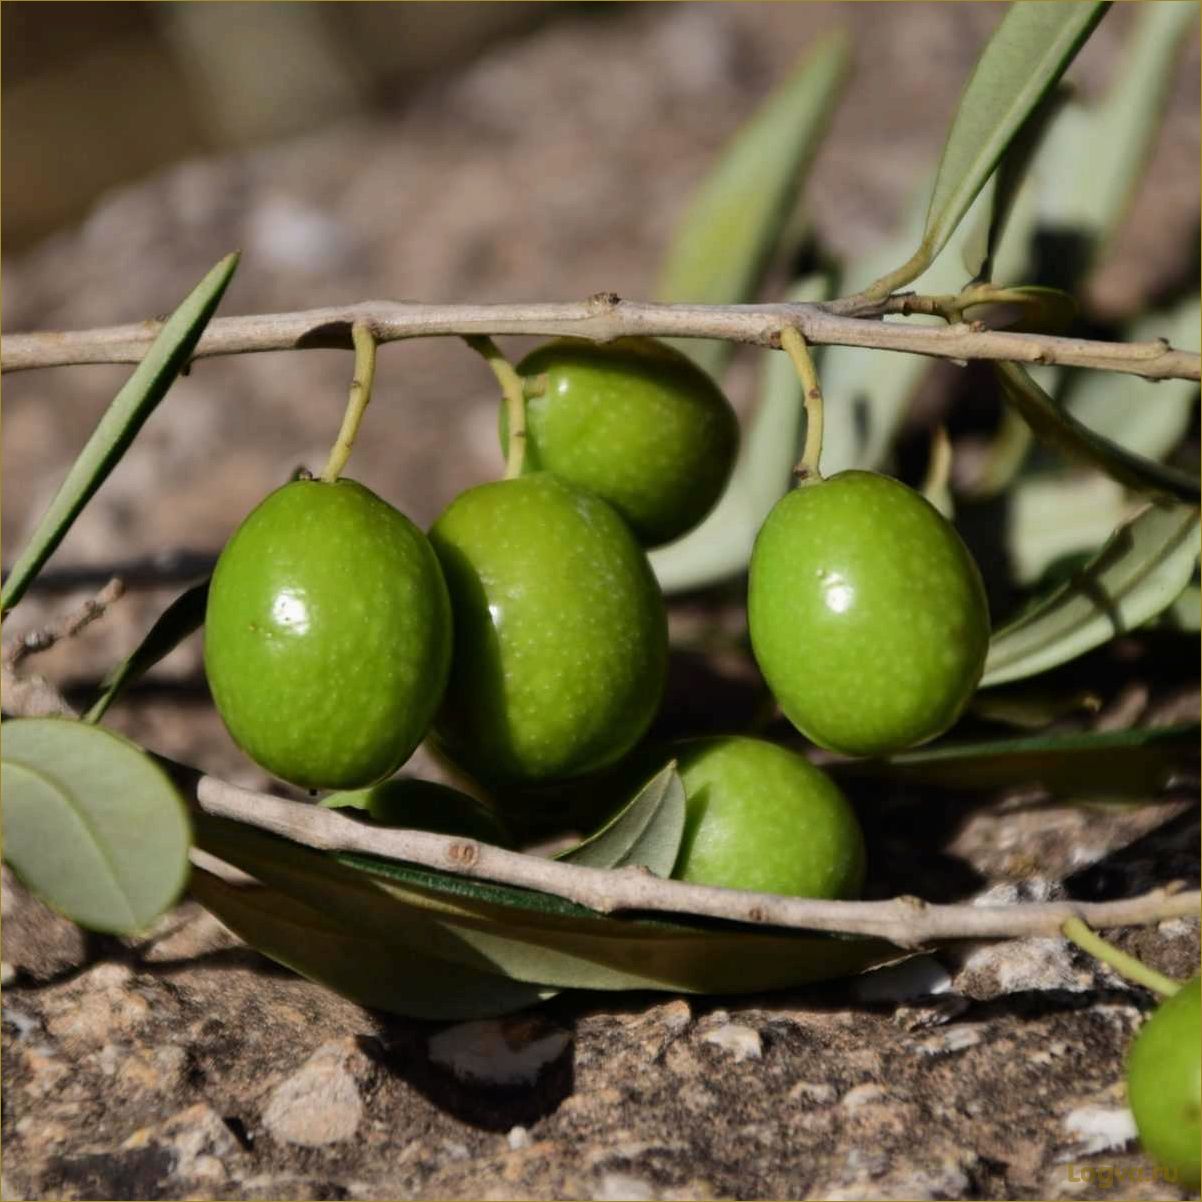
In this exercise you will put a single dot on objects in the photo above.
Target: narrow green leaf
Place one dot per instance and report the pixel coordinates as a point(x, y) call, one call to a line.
point(1091, 172)
point(1088, 508)
point(1060, 429)
point(1142, 417)
point(119, 426)
point(720, 547)
point(183, 617)
point(535, 937)
point(1138, 573)
point(724, 242)
point(1089, 764)
point(983, 235)
point(1027, 54)
point(646, 831)
point(91, 824)
point(356, 963)
point(1185, 614)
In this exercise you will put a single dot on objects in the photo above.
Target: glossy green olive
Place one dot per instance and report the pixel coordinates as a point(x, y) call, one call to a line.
point(635, 422)
point(1164, 1083)
point(327, 635)
point(761, 817)
point(560, 632)
point(425, 805)
point(867, 614)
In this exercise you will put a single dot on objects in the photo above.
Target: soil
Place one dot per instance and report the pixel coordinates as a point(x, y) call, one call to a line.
point(554, 166)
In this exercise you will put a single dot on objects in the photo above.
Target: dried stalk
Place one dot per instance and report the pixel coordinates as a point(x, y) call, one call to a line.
point(46, 637)
point(904, 921)
point(603, 317)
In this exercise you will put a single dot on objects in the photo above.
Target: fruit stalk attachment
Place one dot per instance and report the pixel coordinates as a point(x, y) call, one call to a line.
point(1126, 966)
point(793, 343)
point(365, 373)
point(513, 391)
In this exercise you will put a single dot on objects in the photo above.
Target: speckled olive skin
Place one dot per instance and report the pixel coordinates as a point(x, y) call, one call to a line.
point(637, 423)
point(1164, 1083)
point(867, 614)
point(327, 635)
point(560, 632)
point(759, 816)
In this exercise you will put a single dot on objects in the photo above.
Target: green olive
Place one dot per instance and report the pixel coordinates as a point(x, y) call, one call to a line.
point(761, 817)
point(635, 422)
point(327, 635)
point(559, 630)
point(867, 614)
point(1164, 1083)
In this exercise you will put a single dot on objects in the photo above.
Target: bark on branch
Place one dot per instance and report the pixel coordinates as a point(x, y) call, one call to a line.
point(906, 922)
point(602, 317)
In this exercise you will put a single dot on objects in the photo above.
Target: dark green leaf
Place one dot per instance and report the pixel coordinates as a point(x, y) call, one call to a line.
point(535, 937)
point(1138, 573)
point(184, 616)
point(1128, 763)
point(1060, 429)
point(646, 831)
point(118, 427)
point(355, 962)
point(726, 238)
point(91, 824)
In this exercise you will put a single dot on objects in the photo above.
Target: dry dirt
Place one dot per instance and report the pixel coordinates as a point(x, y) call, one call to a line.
point(188, 1066)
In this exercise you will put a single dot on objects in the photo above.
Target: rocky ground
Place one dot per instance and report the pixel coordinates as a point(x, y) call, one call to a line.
point(185, 1065)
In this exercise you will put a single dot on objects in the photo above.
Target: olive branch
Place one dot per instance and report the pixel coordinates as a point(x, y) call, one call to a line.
point(605, 316)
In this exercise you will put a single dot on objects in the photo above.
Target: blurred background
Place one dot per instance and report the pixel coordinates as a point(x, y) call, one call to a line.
point(431, 151)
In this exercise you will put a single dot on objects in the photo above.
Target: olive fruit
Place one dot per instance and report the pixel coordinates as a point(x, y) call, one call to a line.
point(758, 816)
point(1164, 1083)
point(635, 422)
point(867, 614)
point(559, 629)
point(425, 805)
point(327, 635)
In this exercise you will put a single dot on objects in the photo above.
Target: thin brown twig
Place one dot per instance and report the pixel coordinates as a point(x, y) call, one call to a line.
point(603, 317)
point(68, 627)
point(906, 922)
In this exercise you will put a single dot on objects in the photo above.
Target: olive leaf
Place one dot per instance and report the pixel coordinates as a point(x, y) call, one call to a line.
point(119, 426)
point(1092, 169)
point(1021, 63)
point(1142, 417)
point(723, 243)
point(1138, 573)
point(720, 547)
point(91, 824)
point(535, 937)
point(1089, 764)
point(355, 962)
point(647, 831)
point(183, 617)
point(1060, 429)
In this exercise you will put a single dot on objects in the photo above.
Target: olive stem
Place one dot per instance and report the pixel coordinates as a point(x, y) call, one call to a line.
point(513, 390)
point(906, 922)
point(793, 343)
point(364, 341)
point(939, 468)
point(848, 322)
point(1127, 966)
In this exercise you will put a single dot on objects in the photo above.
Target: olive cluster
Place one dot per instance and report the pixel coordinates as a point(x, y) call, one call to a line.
point(527, 636)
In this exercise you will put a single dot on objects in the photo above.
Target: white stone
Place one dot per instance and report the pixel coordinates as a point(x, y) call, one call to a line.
point(743, 1043)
